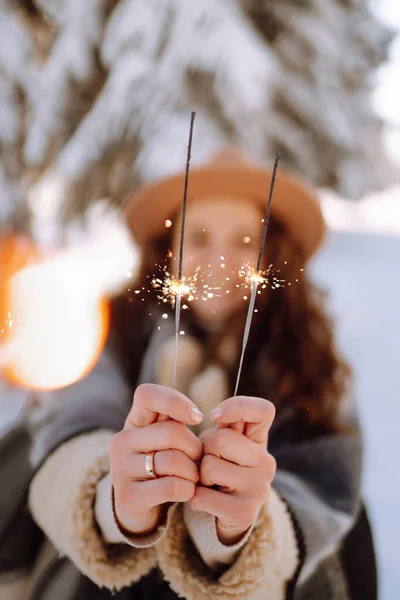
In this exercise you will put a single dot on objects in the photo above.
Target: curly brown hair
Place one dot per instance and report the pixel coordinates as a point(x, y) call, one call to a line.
point(306, 366)
point(291, 356)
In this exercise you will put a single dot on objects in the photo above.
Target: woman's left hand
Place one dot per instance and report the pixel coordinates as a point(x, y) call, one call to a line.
point(237, 460)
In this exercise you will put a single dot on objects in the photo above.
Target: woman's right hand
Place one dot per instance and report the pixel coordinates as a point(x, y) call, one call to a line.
point(156, 422)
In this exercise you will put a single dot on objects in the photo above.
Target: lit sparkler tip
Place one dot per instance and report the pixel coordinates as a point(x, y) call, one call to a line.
point(266, 278)
point(187, 288)
point(170, 288)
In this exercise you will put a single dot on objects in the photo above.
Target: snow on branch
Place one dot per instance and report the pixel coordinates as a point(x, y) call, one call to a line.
point(108, 105)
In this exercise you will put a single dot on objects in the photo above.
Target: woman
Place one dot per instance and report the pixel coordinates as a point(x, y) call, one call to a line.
point(191, 492)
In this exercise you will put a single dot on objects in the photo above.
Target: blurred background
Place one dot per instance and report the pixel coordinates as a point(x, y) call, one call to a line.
point(95, 99)
point(359, 267)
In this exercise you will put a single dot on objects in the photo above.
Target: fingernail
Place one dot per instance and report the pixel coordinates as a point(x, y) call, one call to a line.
point(216, 413)
point(195, 415)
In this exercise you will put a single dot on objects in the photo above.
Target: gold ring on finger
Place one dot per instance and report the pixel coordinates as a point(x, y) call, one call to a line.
point(149, 465)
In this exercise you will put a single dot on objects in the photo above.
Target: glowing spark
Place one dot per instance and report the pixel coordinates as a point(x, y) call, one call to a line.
point(246, 239)
point(187, 288)
point(168, 223)
point(267, 278)
point(170, 288)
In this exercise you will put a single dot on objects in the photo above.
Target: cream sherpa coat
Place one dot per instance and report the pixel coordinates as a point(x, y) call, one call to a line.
point(70, 497)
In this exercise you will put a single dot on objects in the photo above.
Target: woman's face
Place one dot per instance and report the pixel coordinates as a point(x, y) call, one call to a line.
point(221, 234)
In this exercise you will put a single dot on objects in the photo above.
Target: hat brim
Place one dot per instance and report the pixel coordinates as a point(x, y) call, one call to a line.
point(294, 203)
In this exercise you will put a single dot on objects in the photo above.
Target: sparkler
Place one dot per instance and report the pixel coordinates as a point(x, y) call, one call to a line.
point(178, 287)
point(256, 278)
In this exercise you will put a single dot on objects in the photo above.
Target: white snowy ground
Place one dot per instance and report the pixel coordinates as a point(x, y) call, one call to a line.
point(361, 271)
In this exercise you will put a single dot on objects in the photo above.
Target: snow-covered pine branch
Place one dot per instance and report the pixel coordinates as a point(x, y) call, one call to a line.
point(109, 104)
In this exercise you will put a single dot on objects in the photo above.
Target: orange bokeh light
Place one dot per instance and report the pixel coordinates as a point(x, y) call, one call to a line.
point(57, 328)
point(16, 252)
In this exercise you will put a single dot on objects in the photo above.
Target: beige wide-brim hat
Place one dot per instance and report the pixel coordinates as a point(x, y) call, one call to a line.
point(295, 204)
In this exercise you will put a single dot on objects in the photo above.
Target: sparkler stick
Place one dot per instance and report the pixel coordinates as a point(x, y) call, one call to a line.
point(178, 300)
point(257, 277)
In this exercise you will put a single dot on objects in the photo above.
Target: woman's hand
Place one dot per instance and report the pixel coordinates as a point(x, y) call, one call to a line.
point(157, 422)
point(237, 460)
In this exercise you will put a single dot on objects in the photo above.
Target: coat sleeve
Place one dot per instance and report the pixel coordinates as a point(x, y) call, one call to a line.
point(70, 459)
point(262, 568)
point(320, 481)
point(313, 503)
point(61, 499)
